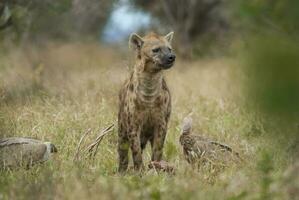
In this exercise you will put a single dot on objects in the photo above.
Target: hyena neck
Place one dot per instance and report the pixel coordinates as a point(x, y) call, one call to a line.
point(149, 84)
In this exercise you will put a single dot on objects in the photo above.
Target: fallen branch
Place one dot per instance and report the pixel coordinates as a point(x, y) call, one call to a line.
point(76, 156)
point(93, 148)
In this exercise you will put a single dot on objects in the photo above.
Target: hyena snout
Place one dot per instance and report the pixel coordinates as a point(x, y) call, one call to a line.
point(171, 58)
point(168, 60)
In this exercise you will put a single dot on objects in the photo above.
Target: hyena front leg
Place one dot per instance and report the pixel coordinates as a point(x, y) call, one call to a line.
point(158, 142)
point(123, 149)
point(134, 138)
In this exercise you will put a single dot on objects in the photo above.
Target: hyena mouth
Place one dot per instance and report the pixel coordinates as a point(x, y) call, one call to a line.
point(167, 65)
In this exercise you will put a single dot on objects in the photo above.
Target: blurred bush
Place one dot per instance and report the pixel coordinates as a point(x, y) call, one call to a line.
point(280, 16)
point(271, 62)
point(272, 66)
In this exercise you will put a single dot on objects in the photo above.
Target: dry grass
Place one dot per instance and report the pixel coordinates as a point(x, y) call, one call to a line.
point(58, 92)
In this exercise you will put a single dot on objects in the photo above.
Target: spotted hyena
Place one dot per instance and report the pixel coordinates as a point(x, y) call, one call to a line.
point(145, 102)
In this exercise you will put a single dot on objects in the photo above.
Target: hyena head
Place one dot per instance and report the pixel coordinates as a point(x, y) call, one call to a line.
point(154, 50)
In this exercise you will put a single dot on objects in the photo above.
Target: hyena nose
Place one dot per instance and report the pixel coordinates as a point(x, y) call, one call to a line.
point(171, 58)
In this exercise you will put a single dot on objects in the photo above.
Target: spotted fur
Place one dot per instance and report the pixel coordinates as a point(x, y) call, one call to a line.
point(145, 101)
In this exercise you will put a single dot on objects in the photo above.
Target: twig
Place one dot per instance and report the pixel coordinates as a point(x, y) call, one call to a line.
point(76, 156)
point(93, 148)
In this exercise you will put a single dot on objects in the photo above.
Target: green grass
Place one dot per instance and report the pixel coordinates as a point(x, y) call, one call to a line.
point(61, 91)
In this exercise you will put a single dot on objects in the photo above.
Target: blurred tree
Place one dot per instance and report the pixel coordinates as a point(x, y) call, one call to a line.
point(90, 16)
point(5, 15)
point(57, 19)
point(188, 18)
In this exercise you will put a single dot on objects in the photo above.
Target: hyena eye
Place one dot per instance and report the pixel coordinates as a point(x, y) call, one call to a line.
point(169, 49)
point(156, 50)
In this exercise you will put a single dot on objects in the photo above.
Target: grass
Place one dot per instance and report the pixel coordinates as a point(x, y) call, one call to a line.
point(57, 92)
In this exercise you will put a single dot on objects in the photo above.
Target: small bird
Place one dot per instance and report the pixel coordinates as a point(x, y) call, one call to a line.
point(197, 148)
point(18, 152)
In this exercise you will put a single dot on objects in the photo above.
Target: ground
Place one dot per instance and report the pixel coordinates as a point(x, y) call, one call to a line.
point(57, 92)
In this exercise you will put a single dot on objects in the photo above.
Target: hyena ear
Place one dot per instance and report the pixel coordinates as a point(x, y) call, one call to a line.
point(169, 37)
point(135, 41)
